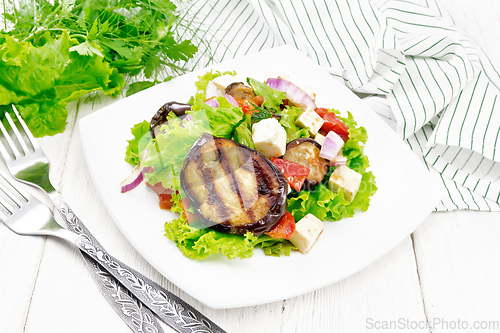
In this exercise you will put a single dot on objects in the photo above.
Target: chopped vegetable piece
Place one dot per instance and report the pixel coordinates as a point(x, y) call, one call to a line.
point(311, 120)
point(133, 180)
point(332, 123)
point(295, 94)
point(305, 151)
point(165, 201)
point(245, 106)
point(332, 146)
point(295, 173)
point(285, 227)
point(345, 179)
point(258, 100)
point(269, 137)
point(240, 90)
point(319, 138)
point(307, 231)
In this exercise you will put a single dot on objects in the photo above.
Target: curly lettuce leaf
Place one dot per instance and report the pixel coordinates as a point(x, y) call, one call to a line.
point(41, 80)
point(199, 244)
point(223, 119)
point(288, 117)
point(325, 204)
point(85, 74)
point(132, 152)
point(27, 70)
point(274, 247)
point(43, 114)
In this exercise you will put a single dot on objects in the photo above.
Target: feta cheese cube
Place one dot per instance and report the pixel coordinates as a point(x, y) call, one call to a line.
point(320, 138)
point(309, 118)
point(346, 180)
point(269, 137)
point(307, 231)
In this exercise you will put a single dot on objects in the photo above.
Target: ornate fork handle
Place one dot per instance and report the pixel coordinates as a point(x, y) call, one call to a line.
point(170, 308)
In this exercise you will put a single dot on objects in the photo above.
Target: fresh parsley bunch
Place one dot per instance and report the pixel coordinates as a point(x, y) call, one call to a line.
point(52, 53)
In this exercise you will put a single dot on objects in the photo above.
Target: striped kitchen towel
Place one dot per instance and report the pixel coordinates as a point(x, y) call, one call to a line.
point(421, 71)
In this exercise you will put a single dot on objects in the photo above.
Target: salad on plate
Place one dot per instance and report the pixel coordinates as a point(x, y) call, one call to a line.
point(250, 163)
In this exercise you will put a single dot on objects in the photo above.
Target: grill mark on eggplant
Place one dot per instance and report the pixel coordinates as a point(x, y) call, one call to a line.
point(213, 198)
point(263, 187)
point(234, 183)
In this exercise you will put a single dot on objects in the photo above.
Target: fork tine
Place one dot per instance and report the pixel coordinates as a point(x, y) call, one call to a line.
point(9, 142)
point(6, 205)
point(3, 151)
point(17, 133)
point(27, 131)
point(11, 194)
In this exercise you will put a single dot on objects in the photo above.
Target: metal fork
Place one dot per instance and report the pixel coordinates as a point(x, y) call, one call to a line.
point(26, 215)
point(31, 166)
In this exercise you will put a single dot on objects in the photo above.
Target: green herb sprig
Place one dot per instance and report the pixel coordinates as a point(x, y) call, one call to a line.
point(260, 114)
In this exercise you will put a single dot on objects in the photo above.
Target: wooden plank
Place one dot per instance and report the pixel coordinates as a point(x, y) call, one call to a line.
point(457, 255)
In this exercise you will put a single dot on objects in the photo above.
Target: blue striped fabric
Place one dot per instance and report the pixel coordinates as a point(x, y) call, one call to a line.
point(430, 82)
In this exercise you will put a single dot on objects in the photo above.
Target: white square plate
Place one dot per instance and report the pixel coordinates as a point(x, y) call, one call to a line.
point(406, 194)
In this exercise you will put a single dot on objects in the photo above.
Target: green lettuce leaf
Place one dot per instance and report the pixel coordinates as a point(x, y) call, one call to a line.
point(201, 84)
point(223, 120)
point(272, 98)
point(41, 80)
point(169, 150)
point(199, 244)
point(44, 113)
point(85, 74)
point(132, 152)
point(288, 117)
point(274, 247)
point(243, 133)
point(28, 70)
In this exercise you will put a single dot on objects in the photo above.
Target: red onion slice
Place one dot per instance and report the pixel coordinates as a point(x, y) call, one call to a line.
point(137, 175)
point(213, 102)
point(231, 100)
point(296, 95)
point(332, 146)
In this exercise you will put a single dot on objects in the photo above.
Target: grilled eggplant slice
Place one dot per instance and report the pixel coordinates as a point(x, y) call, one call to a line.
point(233, 189)
point(161, 116)
point(305, 151)
point(240, 90)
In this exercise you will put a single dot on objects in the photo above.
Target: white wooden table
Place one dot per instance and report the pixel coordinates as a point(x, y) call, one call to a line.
point(447, 272)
